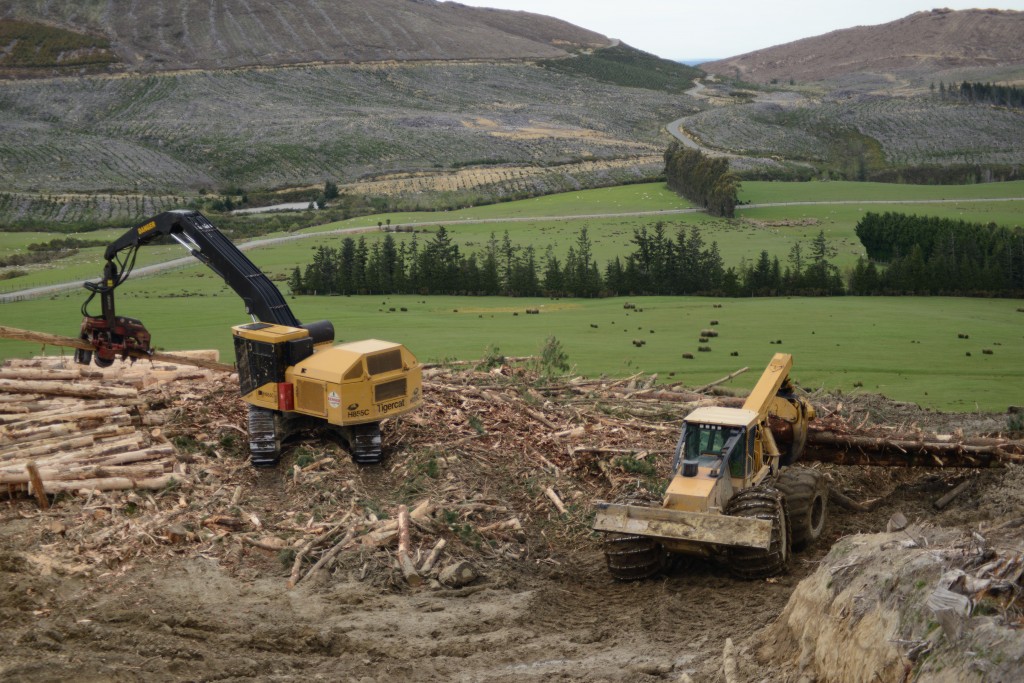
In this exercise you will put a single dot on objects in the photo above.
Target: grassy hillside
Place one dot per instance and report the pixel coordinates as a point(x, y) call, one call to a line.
point(870, 132)
point(627, 66)
point(185, 132)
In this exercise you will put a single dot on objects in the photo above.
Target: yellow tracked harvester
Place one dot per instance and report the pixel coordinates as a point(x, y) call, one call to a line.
point(291, 374)
point(734, 495)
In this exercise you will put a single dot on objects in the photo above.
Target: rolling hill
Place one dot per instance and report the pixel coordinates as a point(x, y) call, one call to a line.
point(113, 109)
point(178, 34)
point(922, 44)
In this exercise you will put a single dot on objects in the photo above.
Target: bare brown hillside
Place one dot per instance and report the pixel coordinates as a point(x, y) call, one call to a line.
point(178, 34)
point(924, 42)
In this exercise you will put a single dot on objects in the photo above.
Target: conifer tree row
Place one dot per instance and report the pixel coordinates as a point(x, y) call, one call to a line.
point(705, 181)
point(942, 256)
point(659, 264)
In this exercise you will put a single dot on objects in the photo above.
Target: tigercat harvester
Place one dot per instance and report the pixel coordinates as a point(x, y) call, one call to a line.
point(290, 374)
point(734, 495)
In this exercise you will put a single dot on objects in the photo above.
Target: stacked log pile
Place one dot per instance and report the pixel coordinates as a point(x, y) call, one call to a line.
point(67, 428)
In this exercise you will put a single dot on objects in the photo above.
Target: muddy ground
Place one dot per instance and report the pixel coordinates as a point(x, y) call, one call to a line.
point(159, 587)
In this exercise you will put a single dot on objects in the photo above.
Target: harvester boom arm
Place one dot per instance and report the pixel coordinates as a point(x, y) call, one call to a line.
point(209, 245)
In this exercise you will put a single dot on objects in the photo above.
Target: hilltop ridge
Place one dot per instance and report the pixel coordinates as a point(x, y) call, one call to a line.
point(921, 43)
point(175, 34)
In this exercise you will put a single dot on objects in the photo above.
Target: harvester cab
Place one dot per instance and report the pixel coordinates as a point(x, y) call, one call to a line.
point(731, 496)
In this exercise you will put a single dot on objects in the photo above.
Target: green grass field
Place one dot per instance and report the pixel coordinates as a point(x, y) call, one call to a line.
point(773, 229)
point(905, 348)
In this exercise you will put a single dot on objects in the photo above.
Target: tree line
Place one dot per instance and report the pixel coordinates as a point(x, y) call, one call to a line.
point(658, 264)
point(938, 256)
point(705, 181)
point(985, 93)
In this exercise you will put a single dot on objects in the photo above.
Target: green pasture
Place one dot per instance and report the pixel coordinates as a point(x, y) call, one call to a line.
point(905, 348)
point(773, 229)
point(841, 191)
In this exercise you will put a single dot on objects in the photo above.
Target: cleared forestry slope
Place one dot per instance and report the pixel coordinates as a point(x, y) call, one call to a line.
point(179, 34)
point(924, 42)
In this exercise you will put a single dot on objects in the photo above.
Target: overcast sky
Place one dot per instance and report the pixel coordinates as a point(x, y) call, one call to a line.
point(683, 29)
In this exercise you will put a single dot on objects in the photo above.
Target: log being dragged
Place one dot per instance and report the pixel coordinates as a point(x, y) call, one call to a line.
point(854, 449)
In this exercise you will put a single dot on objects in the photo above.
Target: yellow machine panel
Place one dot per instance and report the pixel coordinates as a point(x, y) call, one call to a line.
point(359, 382)
point(690, 493)
point(267, 332)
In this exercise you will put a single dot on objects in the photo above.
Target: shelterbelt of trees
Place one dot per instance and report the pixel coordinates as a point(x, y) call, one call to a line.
point(660, 264)
point(942, 256)
point(987, 93)
point(705, 181)
point(907, 254)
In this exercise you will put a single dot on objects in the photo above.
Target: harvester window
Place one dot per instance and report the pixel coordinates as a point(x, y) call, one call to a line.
point(709, 444)
point(354, 372)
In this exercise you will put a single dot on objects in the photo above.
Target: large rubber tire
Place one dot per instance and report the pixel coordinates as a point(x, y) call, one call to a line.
point(807, 503)
point(761, 502)
point(631, 558)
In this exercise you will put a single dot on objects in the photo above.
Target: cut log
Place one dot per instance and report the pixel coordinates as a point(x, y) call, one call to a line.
point(37, 486)
point(945, 500)
point(847, 449)
point(195, 358)
point(850, 504)
point(458, 574)
point(730, 670)
point(329, 555)
point(723, 380)
point(550, 493)
point(405, 562)
point(90, 390)
point(112, 484)
point(432, 558)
